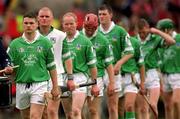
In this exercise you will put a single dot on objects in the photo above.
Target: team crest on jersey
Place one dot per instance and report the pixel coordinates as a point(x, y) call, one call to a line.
point(39, 48)
point(114, 39)
point(21, 49)
point(78, 47)
point(96, 45)
point(53, 39)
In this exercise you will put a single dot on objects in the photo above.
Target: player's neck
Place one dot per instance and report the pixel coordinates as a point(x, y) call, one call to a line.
point(30, 36)
point(70, 36)
point(106, 26)
point(44, 30)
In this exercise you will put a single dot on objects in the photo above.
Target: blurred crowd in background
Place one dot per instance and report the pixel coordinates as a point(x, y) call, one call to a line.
point(126, 13)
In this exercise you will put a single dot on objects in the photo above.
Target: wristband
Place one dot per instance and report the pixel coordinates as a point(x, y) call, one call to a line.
point(70, 76)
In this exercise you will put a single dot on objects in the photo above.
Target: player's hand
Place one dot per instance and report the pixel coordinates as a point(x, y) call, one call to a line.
point(110, 89)
point(8, 70)
point(71, 85)
point(116, 69)
point(55, 92)
point(95, 90)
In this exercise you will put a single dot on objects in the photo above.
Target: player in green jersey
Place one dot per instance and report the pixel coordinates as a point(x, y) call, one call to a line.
point(45, 18)
point(122, 50)
point(84, 61)
point(171, 71)
point(151, 39)
point(34, 55)
point(104, 56)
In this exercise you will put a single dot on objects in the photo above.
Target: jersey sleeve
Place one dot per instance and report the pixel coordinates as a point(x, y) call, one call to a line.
point(11, 51)
point(128, 48)
point(90, 55)
point(66, 54)
point(50, 57)
point(109, 57)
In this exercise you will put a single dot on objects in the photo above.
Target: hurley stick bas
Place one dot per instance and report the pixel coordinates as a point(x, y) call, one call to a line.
point(65, 89)
point(143, 95)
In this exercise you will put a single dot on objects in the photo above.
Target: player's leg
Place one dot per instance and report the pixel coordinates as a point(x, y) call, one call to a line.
point(36, 111)
point(78, 95)
point(130, 96)
point(25, 113)
point(112, 100)
point(121, 109)
point(37, 99)
point(78, 99)
point(168, 105)
point(112, 103)
point(23, 100)
point(154, 94)
point(94, 103)
point(67, 106)
point(176, 103)
point(142, 108)
point(94, 107)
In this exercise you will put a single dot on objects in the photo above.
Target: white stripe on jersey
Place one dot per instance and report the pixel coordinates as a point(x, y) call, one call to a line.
point(91, 62)
point(66, 54)
point(51, 64)
point(109, 59)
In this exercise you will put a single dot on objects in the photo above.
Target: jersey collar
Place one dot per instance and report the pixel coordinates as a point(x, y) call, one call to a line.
point(146, 39)
point(174, 33)
point(36, 37)
point(110, 28)
point(75, 36)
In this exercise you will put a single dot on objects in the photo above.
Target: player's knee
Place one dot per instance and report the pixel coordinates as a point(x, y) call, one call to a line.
point(168, 106)
point(176, 102)
point(93, 111)
point(76, 111)
point(129, 107)
point(34, 116)
point(52, 111)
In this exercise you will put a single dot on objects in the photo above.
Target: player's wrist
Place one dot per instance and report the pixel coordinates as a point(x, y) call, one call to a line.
point(70, 76)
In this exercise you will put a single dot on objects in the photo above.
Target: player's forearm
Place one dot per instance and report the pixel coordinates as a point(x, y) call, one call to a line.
point(142, 73)
point(53, 74)
point(168, 39)
point(124, 59)
point(110, 71)
point(93, 72)
point(69, 66)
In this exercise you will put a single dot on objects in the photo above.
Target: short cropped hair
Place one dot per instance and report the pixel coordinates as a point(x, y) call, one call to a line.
point(142, 23)
point(106, 7)
point(70, 14)
point(30, 14)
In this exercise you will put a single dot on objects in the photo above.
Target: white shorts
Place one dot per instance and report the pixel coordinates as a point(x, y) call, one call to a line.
point(152, 79)
point(34, 94)
point(60, 82)
point(171, 82)
point(117, 81)
point(100, 85)
point(128, 85)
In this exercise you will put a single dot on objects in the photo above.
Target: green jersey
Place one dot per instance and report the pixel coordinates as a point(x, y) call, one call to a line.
point(149, 49)
point(132, 65)
point(119, 40)
point(34, 59)
point(104, 52)
point(61, 51)
point(171, 57)
point(83, 54)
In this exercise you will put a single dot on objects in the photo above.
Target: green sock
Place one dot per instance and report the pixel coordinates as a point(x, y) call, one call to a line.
point(130, 115)
point(121, 117)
